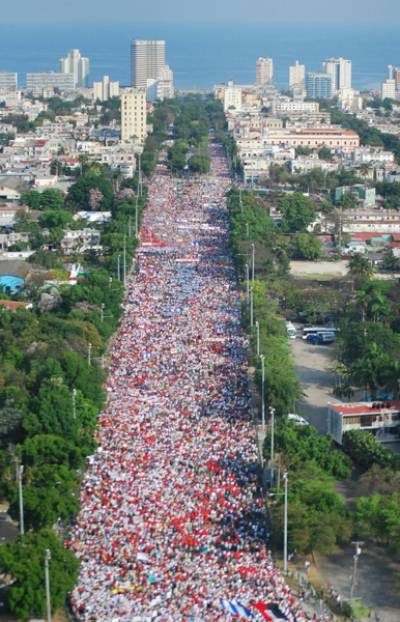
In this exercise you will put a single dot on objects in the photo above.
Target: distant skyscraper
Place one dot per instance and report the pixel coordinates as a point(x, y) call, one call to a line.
point(319, 85)
point(264, 70)
point(8, 81)
point(393, 74)
point(340, 71)
point(297, 75)
point(134, 115)
point(77, 66)
point(232, 97)
point(147, 59)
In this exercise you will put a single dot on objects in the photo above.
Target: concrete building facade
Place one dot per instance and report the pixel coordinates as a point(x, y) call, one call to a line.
point(134, 115)
point(8, 81)
point(36, 83)
point(319, 85)
point(105, 90)
point(339, 69)
point(76, 65)
point(264, 71)
point(147, 59)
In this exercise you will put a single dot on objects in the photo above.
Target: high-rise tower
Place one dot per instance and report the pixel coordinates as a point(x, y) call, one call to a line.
point(147, 59)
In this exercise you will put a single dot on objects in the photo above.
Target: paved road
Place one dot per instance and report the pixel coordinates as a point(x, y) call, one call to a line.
point(314, 364)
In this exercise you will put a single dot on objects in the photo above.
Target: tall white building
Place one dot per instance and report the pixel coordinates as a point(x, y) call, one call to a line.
point(264, 71)
point(76, 65)
point(232, 97)
point(105, 90)
point(134, 115)
point(339, 69)
point(297, 76)
point(388, 90)
point(147, 59)
point(165, 83)
point(8, 81)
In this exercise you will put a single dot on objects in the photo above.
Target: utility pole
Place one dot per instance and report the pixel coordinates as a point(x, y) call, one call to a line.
point(272, 450)
point(262, 359)
point(20, 470)
point(285, 525)
point(119, 267)
point(47, 558)
point(102, 312)
point(137, 218)
point(247, 283)
point(253, 259)
point(124, 266)
point(258, 337)
point(247, 231)
point(130, 226)
point(240, 199)
point(74, 403)
point(251, 307)
point(89, 354)
point(356, 556)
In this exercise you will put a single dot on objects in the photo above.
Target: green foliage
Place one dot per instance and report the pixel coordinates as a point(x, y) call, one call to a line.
point(306, 246)
point(378, 518)
point(297, 212)
point(177, 156)
point(23, 561)
point(79, 194)
point(302, 444)
point(365, 450)
point(199, 164)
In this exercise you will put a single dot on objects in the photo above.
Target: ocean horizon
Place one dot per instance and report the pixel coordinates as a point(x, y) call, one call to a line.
point(202, 55)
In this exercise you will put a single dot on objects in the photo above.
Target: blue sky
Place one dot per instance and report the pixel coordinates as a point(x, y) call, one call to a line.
point(268, 11)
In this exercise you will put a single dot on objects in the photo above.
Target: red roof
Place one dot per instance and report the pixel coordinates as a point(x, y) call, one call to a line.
point(13, 305)
point(366, 408)
point(396, 237)
point(394, 244)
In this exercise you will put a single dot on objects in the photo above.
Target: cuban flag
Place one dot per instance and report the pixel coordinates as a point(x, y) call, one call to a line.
point(234, 608)
point(270, 611)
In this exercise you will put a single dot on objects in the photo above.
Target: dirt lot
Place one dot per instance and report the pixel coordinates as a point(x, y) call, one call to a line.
point(324, 269)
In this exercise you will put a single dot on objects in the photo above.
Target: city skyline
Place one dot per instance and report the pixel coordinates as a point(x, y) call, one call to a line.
point(208, 11)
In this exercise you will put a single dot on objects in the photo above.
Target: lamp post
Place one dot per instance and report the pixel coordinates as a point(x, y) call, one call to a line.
point(74, 403)
point(272, 447)
point(119, 268)
point(251, 307)
point(89, 355)
point(262, 359)
point(247, 282)
point(258, 337)
point(20, 470)
point(102, 312)
point(253, 259)
point(47, 558)
point(355, 568)
point(285, 524)
point(124, 266)
point(137, 218)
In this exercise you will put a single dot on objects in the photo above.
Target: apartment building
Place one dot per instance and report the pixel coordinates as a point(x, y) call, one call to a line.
point(134, 115)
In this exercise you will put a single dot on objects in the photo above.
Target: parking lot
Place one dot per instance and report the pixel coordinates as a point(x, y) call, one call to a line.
point(314, 366)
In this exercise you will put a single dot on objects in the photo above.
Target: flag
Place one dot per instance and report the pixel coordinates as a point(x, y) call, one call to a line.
point(269, 611)
point(234, 608)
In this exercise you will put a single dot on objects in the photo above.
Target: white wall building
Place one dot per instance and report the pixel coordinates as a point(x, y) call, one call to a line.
point(8, 81)
point(134, 115)
point(232, 97)
point(264, 71)
point(388, 90)
point(105, 90)
point(340, 71)
point(76, 65)
point(36, 83)
point(297, 76)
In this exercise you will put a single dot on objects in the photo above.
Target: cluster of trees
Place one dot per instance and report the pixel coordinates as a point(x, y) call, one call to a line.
point(251, 224)
point(51, 385)
point(318, 519)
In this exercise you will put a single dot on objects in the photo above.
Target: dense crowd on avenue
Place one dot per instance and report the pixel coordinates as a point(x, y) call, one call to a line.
point(171, 526)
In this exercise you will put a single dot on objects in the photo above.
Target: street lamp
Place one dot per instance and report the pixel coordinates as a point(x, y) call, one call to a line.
point(47, 558)
point(124, 261)
point(355, 567)
point(272, 450)
point(74, 403)
point(251, 307)
point(119, 267)
point(102, 312)
point(258, 337)
point(89, 355)
point(285, 525)
point(253, 259)
point(137, 218)
point(20, 470)
point(262, 359)
point(247, 282)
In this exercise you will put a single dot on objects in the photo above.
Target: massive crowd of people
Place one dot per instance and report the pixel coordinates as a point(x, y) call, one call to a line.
point(171, 527)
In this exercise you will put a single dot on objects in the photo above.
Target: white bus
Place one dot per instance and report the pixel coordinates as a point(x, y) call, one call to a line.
point(291, 330)
point(317, 330)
